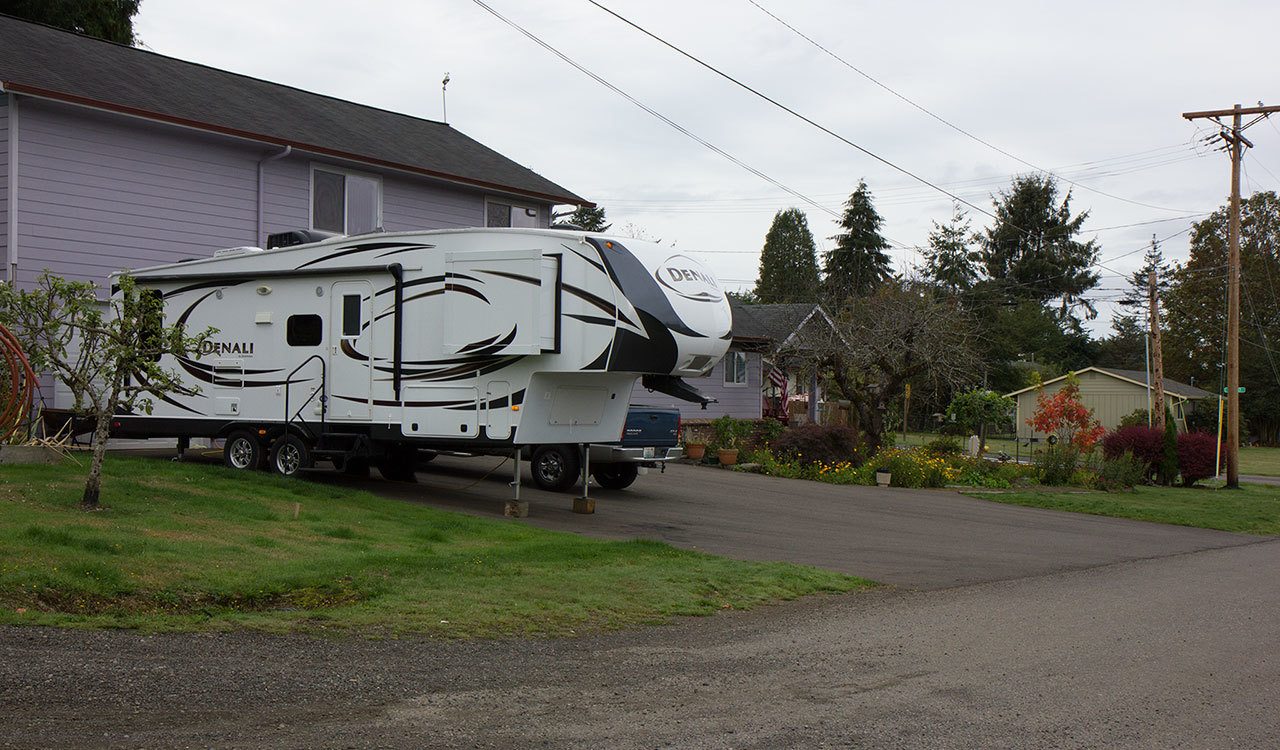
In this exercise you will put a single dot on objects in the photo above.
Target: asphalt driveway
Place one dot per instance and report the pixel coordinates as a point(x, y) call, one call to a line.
point(920, 539)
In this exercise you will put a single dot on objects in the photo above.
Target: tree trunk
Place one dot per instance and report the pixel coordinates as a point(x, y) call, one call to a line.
point(93, 484)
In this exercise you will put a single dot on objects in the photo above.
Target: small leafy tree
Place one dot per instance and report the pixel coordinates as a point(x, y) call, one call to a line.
point(107, 353)
point(975, 409)
point(1064, 415)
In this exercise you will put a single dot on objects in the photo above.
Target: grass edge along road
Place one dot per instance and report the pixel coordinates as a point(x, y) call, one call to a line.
point(1253, 509)
point(192, 547)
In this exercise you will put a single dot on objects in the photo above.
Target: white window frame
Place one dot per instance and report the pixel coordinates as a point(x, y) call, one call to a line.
point(537, 210)
point(746, 370)
point(311, 192)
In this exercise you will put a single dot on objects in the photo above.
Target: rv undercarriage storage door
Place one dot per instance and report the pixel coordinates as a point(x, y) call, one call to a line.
point(351, 356)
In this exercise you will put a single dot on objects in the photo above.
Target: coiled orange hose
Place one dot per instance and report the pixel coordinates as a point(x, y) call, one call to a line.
point(19, 389)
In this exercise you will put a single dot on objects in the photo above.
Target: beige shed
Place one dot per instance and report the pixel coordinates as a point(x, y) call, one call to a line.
point(1112, 394)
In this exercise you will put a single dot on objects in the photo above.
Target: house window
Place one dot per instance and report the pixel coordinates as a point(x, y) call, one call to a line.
point(735, 368)
point(501, 214)
point(304, 330)
point(345, 202)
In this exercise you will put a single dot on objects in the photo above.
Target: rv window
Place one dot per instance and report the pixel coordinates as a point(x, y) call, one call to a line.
point(350, 315)
point(304, 330)
point(735, 368)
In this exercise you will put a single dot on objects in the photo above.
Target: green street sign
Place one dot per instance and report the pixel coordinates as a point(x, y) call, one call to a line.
point(1238, 390)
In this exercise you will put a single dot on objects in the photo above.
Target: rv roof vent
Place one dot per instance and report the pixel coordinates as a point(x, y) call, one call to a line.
point(297, 237)
point(235, 251)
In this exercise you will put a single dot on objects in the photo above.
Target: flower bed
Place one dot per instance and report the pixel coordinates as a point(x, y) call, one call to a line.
point(910, 467)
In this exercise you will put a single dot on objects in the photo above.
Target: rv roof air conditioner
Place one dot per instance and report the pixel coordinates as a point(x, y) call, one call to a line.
point(297, 237)
point(235, 251)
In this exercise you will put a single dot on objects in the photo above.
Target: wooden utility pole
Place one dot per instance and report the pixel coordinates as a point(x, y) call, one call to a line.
point(1157, 361)
point(1233, 136)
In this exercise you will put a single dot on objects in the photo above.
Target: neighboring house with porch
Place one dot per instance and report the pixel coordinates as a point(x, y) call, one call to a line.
point(113, 157)
point(741, 382)
point(1112, 394)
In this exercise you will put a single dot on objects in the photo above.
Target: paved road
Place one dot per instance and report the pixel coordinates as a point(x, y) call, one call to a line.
point(917, 539)
point(1177, 652)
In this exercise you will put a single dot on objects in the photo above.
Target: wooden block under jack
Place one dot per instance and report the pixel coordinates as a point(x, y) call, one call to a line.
point(584, 505)
point(516, 509)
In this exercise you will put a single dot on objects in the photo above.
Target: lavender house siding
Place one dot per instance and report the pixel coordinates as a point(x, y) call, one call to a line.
point(407, 204)
point(4, 184)
point(740, 401)
point(100, 192)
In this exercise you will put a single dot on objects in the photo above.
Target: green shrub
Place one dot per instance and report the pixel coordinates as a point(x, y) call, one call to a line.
point(1120, 473)
point(824, 444)
point(730, 432)
point(1169, 459)
point(1135, 418)
point(1057, 466)
point(943, 446)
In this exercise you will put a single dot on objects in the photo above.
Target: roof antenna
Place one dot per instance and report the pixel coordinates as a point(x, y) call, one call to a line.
point(444, 106)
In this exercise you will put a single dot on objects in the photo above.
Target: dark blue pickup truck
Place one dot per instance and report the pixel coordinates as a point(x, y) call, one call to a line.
point(649, 438)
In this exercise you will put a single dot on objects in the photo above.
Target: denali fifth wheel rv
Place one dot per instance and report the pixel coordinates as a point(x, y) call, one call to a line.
point(366, 349)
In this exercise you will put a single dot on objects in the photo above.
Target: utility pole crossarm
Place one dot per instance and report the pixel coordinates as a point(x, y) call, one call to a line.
point(1259, 110)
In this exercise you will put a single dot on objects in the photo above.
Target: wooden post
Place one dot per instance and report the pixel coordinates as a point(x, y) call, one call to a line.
point(1157, 361)
point(1233, 136)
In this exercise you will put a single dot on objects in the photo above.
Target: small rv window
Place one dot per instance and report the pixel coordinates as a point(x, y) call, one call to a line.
point(304, 330)
point(350, 315)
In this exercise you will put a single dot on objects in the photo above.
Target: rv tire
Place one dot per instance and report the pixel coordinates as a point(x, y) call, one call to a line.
point(289, 456)
point(615, 476)
point(555, 467)
point(243, 450)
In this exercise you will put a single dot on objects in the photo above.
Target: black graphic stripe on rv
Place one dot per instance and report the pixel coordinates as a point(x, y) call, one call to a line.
point(598, 302)
point(600, 362)
point(429, 280)
point(231, 382)
point(209, 368)
point(405, 250)
point(464, 372)
point(593, 320)
point(351, 352)
point(364, 247)
point(201, 285)
point(142, 380)
point(639, 286)
point(516, 276)
point(388, 402)
point(588, 259)
point(182, 319)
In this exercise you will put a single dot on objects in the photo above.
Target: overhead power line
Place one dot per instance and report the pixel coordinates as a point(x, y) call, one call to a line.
point(946, 122)
point(791, 111)
point(678, 127)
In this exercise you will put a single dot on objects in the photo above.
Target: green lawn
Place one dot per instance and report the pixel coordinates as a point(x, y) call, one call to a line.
point(195, 547)
point(1260, 461)
point(1253, 509)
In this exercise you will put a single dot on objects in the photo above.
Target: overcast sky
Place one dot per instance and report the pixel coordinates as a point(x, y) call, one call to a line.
point(1091, 90)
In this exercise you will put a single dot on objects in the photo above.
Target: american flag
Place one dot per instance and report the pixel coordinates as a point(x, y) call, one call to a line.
point(779, 379)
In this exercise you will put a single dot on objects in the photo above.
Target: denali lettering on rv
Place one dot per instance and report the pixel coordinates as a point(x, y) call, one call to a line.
point(687, 278)
point(242, 348)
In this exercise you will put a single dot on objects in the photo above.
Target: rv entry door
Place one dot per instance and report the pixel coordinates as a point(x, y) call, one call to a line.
point(351, 351)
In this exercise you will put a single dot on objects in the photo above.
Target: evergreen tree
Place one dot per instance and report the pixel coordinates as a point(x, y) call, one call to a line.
point(858, 264)
point(1126, 346)
point(589, 218)
point(1032, 247)
point(788, 262)
point(105, 19)
point(1137, 296)
point(951, 261)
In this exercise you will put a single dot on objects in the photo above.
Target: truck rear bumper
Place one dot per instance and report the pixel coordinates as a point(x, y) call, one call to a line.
point(612, 454)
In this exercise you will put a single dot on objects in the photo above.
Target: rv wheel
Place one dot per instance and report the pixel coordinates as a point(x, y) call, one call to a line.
point(615, 476)
point(555, 467)
point(243, 451)
point(290, 455)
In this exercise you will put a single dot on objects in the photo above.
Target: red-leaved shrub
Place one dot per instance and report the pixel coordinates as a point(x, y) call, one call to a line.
point(828, 444)
point(1197, 452)
point(1145, 443)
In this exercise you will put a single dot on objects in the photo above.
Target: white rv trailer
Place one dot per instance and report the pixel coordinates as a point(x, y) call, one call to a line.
point(369, 348)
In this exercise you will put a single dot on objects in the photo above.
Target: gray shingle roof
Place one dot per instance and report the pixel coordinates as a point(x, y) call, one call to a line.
point(44, 61)
point(771, 323)
point(1170, 386)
